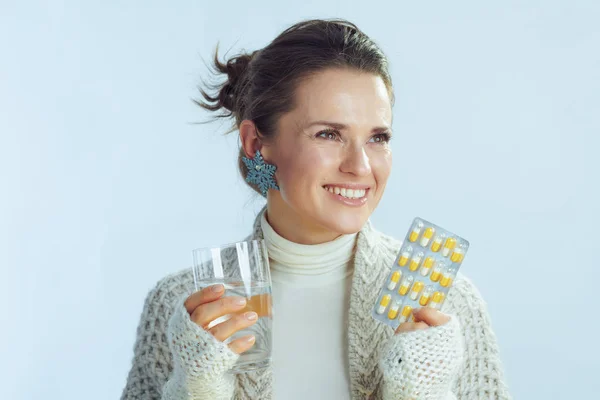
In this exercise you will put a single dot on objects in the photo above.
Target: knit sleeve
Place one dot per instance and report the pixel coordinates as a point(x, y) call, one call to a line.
point(201, 362)
point(173, 357)
point(482, 375)
point(151, 364)
point(422, 364)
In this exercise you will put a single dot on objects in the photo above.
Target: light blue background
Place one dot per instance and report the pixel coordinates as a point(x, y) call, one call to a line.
point(106, 185)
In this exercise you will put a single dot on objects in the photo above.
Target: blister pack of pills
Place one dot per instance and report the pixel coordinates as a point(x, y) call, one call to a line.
point(422, 274)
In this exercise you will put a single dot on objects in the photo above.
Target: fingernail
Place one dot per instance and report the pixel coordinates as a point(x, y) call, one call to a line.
point(251, 315)
point(240, 302)
point(250, 339)
point(217, 288)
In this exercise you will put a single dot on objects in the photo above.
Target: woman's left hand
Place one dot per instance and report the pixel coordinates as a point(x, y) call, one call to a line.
point(424, 357)
point(423, 319)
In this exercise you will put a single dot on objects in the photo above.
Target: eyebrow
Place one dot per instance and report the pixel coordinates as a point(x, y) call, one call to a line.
point(341, 126)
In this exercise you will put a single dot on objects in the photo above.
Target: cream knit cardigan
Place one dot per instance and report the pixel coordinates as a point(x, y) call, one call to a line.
point(175, 359)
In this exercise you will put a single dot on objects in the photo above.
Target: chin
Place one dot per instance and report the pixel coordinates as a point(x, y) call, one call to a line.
point(345, 223)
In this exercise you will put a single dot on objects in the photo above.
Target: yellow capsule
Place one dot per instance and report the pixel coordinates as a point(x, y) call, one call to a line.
point(385, 300)
point(427, 265)
point(406, 310)
point(449, 246)
point(416, 261)
point(447, 277)
point(427, 235)
point(437, 243)
point(414, 234)
point(436, 273)
point(426, 296)
point(436, 300)
point(393, 313)
point(404, 256)
point(405, 285)
point(416, 290)
point(445, 281)
point(394, 280)
point(458, 254)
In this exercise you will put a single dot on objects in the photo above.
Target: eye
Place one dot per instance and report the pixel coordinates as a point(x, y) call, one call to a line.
point(329, 134)
point(381, 138)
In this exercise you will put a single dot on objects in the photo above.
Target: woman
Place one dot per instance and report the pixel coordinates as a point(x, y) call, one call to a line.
point(315, 107)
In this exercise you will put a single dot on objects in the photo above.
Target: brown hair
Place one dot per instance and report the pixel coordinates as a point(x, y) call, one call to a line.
point(260, 86)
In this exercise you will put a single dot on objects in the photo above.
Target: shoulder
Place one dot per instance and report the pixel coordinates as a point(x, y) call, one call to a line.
point(464, 295)
point(372, 240)
point(388, 243)
point(374, 257)
point(169, 289)
point(466, 302)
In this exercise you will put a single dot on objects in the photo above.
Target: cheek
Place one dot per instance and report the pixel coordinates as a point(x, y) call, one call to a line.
point(306, 168)
point(381, 165)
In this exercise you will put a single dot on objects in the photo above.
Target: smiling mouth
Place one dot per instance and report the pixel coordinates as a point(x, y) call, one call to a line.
point(347, 193)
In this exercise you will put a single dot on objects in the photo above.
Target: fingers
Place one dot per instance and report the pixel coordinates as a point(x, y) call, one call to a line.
point(424, 318)
point(207, 312)
point(206, 305)
point(208, 294)
point(227, 328)
point(411, 326)
point(430, 316)
point(242, 344)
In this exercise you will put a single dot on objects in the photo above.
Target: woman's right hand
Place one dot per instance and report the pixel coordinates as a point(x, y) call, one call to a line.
point(208, 304)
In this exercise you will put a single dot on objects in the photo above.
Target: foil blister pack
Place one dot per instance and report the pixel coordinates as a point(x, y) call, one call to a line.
point(422, 274)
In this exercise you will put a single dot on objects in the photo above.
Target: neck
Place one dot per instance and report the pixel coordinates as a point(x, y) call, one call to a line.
point(304, 265)
point(294, 227)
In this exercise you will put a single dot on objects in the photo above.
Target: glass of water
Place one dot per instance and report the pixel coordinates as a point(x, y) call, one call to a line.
point(243, 269)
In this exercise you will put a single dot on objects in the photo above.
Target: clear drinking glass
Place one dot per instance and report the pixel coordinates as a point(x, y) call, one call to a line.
point(243, 269)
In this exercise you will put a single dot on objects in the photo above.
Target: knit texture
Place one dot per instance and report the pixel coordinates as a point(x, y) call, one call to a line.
point(200, 361)
point(422, 364)
point(175, 359)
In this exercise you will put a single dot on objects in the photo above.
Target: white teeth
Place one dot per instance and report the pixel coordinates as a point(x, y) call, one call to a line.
point(349, 193)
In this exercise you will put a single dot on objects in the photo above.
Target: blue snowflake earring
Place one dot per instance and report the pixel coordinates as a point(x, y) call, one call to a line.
point(260, 173)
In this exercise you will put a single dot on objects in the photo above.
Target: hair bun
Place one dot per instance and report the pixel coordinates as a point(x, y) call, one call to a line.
point(229, 92)
point(237, 71)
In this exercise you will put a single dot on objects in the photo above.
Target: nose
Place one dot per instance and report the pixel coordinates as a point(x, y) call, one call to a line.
point(356, 162)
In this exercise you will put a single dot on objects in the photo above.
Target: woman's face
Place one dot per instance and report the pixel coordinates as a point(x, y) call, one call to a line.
point(332, 155)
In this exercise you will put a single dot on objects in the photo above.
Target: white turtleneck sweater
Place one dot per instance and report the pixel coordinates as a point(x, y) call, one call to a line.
point(311, 290)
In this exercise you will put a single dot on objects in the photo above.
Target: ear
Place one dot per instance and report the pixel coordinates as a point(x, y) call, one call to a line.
point(249, 139)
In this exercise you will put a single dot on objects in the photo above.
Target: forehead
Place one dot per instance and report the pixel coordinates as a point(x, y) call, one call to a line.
point(341, 95)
